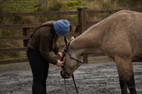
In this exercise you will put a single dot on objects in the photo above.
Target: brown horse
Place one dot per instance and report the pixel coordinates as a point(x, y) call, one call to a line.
point(119, 36)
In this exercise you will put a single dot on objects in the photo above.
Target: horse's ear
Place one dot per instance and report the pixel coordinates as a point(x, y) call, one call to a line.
point(66, 40)
point(72, 38)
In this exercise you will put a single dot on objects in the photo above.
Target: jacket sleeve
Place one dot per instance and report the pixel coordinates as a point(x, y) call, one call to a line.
point(56, 50)
point(45, 44)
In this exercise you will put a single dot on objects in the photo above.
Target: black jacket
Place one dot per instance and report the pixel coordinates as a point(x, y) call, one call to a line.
point(44, 40)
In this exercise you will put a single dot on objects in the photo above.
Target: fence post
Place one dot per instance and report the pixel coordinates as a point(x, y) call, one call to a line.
point(25, 33)
point(82, 26)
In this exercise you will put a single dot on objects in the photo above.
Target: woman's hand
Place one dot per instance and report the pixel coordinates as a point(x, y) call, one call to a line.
point(59, 63)
point(60, 55)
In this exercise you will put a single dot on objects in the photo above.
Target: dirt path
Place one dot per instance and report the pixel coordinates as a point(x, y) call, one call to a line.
point(94, 78)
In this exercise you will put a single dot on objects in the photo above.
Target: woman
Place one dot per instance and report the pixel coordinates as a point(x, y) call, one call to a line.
point(41, 43)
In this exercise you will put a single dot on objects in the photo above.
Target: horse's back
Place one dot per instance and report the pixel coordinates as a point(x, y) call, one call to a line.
point(123, 33)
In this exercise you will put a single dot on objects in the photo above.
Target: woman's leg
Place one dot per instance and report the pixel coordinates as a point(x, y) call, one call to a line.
point(40, 71)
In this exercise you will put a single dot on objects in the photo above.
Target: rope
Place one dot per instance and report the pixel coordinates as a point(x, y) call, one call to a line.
point(65, 86)
point(74, 85)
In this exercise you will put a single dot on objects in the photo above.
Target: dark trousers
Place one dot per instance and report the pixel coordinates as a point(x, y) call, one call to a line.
point(39, 70)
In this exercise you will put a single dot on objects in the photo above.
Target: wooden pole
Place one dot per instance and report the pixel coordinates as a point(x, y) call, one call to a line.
point(25, 33)
point(82, 19)
point(82, 26)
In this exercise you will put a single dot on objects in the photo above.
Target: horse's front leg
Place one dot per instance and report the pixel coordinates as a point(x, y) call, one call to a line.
point(131, 85)
point(123, 85)
point(126, 75)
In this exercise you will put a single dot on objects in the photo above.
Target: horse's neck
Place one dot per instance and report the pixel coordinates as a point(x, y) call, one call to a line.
point(88, 39)
point(87, 43)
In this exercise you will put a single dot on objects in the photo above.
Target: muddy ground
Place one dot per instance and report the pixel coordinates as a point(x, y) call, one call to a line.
point(92, 78)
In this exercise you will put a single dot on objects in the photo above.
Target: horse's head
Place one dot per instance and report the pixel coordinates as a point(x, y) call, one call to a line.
point(72, 61)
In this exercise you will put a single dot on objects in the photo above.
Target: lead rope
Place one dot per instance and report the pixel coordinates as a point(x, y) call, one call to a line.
point(65, 86)
point(74, 85)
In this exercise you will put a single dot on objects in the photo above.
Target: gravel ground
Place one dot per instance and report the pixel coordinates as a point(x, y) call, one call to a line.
point(92, 78)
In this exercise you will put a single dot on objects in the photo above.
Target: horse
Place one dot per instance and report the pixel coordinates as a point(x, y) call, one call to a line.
point(119, 37)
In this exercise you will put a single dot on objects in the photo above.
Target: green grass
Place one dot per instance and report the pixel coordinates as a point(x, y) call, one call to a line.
point(19, 5)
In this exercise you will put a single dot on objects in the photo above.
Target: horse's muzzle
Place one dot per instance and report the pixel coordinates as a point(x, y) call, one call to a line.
point(64, 74)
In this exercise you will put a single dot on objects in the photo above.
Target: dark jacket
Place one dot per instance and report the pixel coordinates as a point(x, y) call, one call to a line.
point(44, 41)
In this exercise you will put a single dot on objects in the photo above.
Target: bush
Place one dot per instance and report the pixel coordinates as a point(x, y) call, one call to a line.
point(72, 4)
point(129, 3)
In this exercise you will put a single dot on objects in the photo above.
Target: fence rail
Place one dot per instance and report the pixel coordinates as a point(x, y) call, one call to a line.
point(19, 49)
point(40, 13)
point(15, 26)
point(13, 61)
point(15, 37)
point(81, 25)
point(59, 13)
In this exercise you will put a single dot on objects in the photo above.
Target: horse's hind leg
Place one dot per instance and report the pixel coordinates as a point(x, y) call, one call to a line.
point(126, 75)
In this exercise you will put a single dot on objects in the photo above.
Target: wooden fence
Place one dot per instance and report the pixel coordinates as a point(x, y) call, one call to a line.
point(81, 25)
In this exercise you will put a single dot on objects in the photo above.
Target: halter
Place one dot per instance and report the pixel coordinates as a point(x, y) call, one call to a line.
point(64, 53)
point(74, 58)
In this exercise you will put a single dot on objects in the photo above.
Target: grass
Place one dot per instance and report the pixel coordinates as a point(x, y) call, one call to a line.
point(19, 5)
